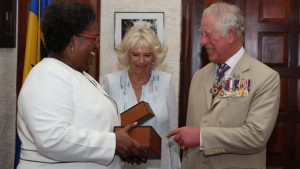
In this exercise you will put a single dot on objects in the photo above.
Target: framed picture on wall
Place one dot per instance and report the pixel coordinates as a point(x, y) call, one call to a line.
point(125, 20)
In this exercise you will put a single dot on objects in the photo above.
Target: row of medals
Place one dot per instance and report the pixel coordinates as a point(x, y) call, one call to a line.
point(231, 88)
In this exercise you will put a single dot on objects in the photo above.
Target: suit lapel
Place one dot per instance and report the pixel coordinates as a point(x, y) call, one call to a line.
point(210, 80)
point(237, 73)
point(241, 68)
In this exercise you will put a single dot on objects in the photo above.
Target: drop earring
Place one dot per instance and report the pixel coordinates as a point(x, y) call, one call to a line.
point(72, 49)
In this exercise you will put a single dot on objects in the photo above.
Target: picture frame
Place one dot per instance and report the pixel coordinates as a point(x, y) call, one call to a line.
point(125, 20)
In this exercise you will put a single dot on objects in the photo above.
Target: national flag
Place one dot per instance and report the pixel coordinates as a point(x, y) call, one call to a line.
point(35, 49)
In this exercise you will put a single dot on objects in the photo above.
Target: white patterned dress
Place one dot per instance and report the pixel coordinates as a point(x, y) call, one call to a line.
point(159, 92)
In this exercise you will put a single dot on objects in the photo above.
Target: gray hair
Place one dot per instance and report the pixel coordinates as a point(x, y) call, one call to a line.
point(228, 16)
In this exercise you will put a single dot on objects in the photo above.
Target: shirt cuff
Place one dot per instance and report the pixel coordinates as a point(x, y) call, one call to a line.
point(201, 143)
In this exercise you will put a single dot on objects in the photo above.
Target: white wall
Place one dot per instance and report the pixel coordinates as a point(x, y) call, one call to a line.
point(8, 69)
point(8, 81)
point(172, 30)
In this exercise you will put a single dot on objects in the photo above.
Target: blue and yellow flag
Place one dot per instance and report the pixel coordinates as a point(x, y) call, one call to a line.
point(35, 49)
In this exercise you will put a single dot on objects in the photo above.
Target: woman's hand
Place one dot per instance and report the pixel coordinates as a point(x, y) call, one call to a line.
point(127, 148)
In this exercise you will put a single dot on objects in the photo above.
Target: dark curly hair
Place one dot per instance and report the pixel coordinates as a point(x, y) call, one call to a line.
point(62, 20)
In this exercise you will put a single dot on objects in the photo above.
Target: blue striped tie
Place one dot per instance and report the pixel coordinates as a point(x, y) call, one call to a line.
point(221, 69)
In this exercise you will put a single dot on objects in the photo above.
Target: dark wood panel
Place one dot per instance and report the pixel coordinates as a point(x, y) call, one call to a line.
point(273, 48)
point(22, 29)
point(298, 65)
point(274, 11)
point(277, 143)
point(278, 46)
point(298, 97)
point(251, 35)
point(284, 95)
point(298, 13)
point(191, 14)
point(8, 24)
point(298, 142)
point(275, 167)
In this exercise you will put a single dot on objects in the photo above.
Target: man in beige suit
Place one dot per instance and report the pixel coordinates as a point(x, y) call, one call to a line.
point(232, 109)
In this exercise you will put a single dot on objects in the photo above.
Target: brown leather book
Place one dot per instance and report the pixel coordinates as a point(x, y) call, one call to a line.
point(140, 113)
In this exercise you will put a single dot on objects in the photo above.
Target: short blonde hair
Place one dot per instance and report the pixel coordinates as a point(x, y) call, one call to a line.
point(140, 36)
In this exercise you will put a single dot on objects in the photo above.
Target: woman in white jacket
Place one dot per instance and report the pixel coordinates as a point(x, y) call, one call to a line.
point(65, 119)
point(141, 51)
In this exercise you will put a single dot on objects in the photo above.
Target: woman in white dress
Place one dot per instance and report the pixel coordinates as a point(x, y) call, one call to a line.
point(65, 119)
point(141, 51)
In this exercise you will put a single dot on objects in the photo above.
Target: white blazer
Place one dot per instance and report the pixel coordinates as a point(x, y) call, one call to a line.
point(159, 92)
point(65, 120)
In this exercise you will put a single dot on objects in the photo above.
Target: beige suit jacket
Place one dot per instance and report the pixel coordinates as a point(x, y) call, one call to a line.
point(234, 130)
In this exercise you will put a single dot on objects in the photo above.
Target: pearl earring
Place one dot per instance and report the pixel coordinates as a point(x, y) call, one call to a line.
point(72, 49)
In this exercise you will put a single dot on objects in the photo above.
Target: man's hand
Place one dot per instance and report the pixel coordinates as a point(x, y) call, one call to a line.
point(186, 137)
